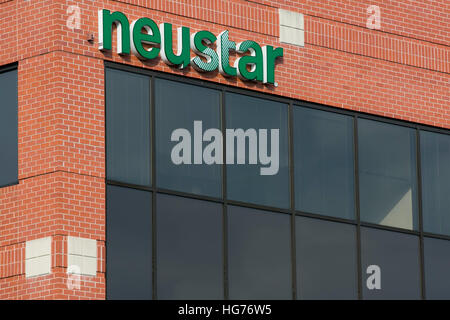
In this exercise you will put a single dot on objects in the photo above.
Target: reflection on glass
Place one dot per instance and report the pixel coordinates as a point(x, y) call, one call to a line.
point(129, 243)
point(397, 256)
point(326, 259)
point(259, 254)
point(128, 127)
point(387, 174)
point(323, 162)
point(189, 253)
point(177, 106)
point(245, 182)
point(437, 267)
point(8, 128)
point(435, 165)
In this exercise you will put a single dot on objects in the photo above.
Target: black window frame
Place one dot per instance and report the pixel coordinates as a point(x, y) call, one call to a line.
point(415, 202)
point(4, 69)
point(292, 103)
point(426, 130)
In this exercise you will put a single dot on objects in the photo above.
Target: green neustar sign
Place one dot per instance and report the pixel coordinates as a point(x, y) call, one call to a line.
point(147, 40)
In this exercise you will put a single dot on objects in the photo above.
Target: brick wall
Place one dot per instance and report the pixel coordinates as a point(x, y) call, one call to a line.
point(400, 71)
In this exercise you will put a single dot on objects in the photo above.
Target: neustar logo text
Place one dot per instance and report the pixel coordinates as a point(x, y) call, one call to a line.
point(146, 40)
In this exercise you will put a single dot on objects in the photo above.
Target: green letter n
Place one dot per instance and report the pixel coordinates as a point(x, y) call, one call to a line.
point(105, 22)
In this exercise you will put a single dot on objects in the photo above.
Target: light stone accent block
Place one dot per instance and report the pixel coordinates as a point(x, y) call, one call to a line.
point(82, 252)
point(38, 257)
point(292, 28)
point(291, 19)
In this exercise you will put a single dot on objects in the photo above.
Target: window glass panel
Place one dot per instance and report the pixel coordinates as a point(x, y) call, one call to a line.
point(8, 128)
point(189, 253)
point(437, 268)
point(128, 127)
point(387, 174)
point(178, 105)
point(397, 256)
point(435, 171)
point(246, 181)
point(129, 243)
point(323, 153)
point(326, 260)
point(259, 254)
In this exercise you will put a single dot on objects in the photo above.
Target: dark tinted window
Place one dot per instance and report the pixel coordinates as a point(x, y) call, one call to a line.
point(326, 260)
point(437, 268)
point(435, 165)
point(189, 253)
point(8, 128)
point(129, 243)
point(178, 105)
point(323, 160)
point(128, 127)
point(246, 181)
point(387, 174)
point(259, 254)
point(397, 256)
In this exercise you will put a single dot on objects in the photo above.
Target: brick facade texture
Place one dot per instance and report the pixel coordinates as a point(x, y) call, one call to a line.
point(400, 71)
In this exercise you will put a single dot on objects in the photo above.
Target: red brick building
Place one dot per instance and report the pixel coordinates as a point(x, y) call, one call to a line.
point(332, 59)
